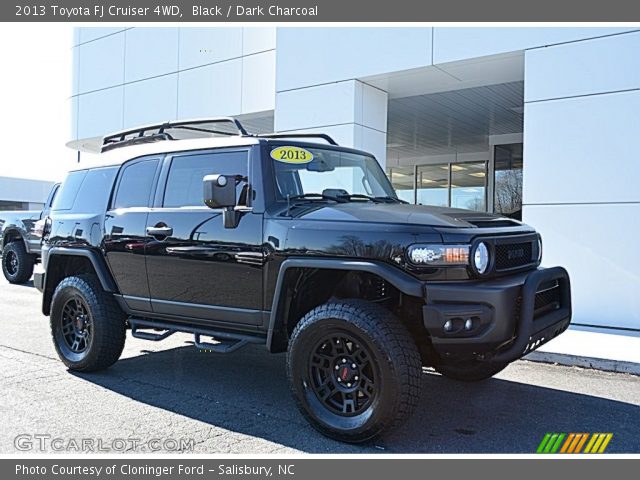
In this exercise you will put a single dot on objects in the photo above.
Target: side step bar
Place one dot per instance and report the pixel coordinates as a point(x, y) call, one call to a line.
point(228, 342)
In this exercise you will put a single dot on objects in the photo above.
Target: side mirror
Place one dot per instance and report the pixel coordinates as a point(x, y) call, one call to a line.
point(219, 191)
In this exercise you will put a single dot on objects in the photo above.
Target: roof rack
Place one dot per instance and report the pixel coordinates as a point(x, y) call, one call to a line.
point(158, 132)
point(323, 136)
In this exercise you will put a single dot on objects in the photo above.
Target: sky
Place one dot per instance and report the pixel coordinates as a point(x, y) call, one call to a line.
point(35, 87)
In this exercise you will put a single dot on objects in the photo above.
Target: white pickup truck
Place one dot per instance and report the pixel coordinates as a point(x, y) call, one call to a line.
point(20, 238)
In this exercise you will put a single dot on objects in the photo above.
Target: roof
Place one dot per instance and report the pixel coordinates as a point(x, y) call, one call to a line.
point(172, 136)
point(121, 155)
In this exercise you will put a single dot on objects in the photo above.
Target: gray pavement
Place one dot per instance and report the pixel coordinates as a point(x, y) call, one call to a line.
point(240, 403)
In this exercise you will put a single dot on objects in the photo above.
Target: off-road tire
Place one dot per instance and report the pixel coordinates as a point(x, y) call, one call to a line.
point(108, 324)
point(21, 268)
point(393, 357)
point(470, 370)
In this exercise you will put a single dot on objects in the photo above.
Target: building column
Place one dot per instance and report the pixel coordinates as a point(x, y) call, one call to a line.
point(581, 171)
point(352, 112)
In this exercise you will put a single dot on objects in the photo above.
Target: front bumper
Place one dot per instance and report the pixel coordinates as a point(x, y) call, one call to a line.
point(497, 320)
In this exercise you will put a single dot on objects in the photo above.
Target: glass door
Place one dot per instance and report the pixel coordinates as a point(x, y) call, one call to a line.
point(433, 185)
point(507, 199)
point(402, 179)
point(468, 186)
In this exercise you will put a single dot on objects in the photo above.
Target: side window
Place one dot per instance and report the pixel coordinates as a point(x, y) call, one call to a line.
point(69, 190)
point(135, 184)
point(54, 192)
point(184, 183)
point(95, 190)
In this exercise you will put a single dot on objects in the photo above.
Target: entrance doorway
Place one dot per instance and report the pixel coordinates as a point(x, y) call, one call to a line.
point(507, 180)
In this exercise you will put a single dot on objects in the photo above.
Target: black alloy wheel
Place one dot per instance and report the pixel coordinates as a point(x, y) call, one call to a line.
point(11, 262)
point(76, 325)
point(343, 375)
point(354, 370)
point(87, 325)
point(17, 264)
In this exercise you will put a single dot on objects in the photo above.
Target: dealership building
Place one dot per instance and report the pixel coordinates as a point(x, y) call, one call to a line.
point(23, 193)
point(533, 123)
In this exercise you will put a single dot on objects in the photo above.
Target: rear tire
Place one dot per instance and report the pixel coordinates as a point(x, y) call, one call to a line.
point(87, 325)
point(354, 370)
point(17, 264)
point(470, 370)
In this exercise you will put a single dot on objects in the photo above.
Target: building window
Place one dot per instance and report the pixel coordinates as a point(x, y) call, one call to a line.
point(10, 205)
point(508, 180)
point(403, 180)
point(433, 185)
point(458, 185)
point(468, 186)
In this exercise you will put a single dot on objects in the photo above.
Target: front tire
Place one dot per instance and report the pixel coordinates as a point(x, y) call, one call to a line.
point(17, 264)
point(470, 370)
point(87, 325)
point(354, 370)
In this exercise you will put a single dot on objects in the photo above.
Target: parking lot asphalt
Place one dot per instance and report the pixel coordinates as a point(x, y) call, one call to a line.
point(240, 403)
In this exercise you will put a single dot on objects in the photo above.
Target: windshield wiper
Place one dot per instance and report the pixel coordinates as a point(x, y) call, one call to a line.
point(311, 197)
point(391, 199)
point(360, 196)
point(315, 196)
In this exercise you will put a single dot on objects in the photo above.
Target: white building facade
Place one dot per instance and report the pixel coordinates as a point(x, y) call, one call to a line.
point(23, 193)
point(534, 123)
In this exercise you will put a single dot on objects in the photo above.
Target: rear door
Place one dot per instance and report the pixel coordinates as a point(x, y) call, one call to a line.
point(196, 267)
point(125, 235)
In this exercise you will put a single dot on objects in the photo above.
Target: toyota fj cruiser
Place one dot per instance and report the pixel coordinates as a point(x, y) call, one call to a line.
point(292, 242)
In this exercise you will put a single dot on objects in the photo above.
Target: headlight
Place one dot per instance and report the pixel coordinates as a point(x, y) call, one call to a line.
point(481, 258)
point(539, 249)
point(439, 255)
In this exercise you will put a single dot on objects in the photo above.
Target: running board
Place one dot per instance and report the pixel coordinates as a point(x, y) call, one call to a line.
point(227, 342)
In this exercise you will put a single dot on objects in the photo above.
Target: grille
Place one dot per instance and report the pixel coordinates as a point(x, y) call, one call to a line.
point(513, 255)
point(547, 299)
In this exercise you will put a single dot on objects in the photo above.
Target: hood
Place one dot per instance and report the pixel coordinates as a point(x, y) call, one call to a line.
point(400, 213)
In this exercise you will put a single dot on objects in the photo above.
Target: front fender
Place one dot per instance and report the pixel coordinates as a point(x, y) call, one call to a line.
point(401, 280)
point(9, 231)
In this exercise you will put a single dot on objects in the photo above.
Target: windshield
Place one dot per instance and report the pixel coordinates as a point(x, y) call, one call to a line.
point(329, 173)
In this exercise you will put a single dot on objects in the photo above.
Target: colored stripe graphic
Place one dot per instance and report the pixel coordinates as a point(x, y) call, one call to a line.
point(551, 443)
point(581, 443)
point(570, 439)
point(592, 440)
point(606, 441)
point(554, 442)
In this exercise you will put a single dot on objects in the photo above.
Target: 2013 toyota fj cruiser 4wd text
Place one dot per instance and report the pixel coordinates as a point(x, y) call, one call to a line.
point(303, 247)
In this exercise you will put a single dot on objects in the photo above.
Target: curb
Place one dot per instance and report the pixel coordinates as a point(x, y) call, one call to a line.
point(617, 366)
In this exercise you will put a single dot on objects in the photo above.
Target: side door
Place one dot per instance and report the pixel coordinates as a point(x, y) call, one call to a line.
point(197, 268)
point(125, 229)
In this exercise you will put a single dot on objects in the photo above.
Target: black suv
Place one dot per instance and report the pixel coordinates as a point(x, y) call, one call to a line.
point(301, 246)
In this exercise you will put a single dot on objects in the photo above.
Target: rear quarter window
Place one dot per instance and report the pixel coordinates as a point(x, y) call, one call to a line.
point(86, 190)
point(69, 190)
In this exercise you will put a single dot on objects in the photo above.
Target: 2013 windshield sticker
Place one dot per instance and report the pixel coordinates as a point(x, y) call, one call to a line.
point(290, 154)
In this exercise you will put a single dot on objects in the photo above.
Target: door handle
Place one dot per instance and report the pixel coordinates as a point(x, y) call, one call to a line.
point(159, 231)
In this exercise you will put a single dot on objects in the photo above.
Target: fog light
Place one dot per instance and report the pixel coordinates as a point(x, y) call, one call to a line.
point(468, 324)
point(448, 326)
